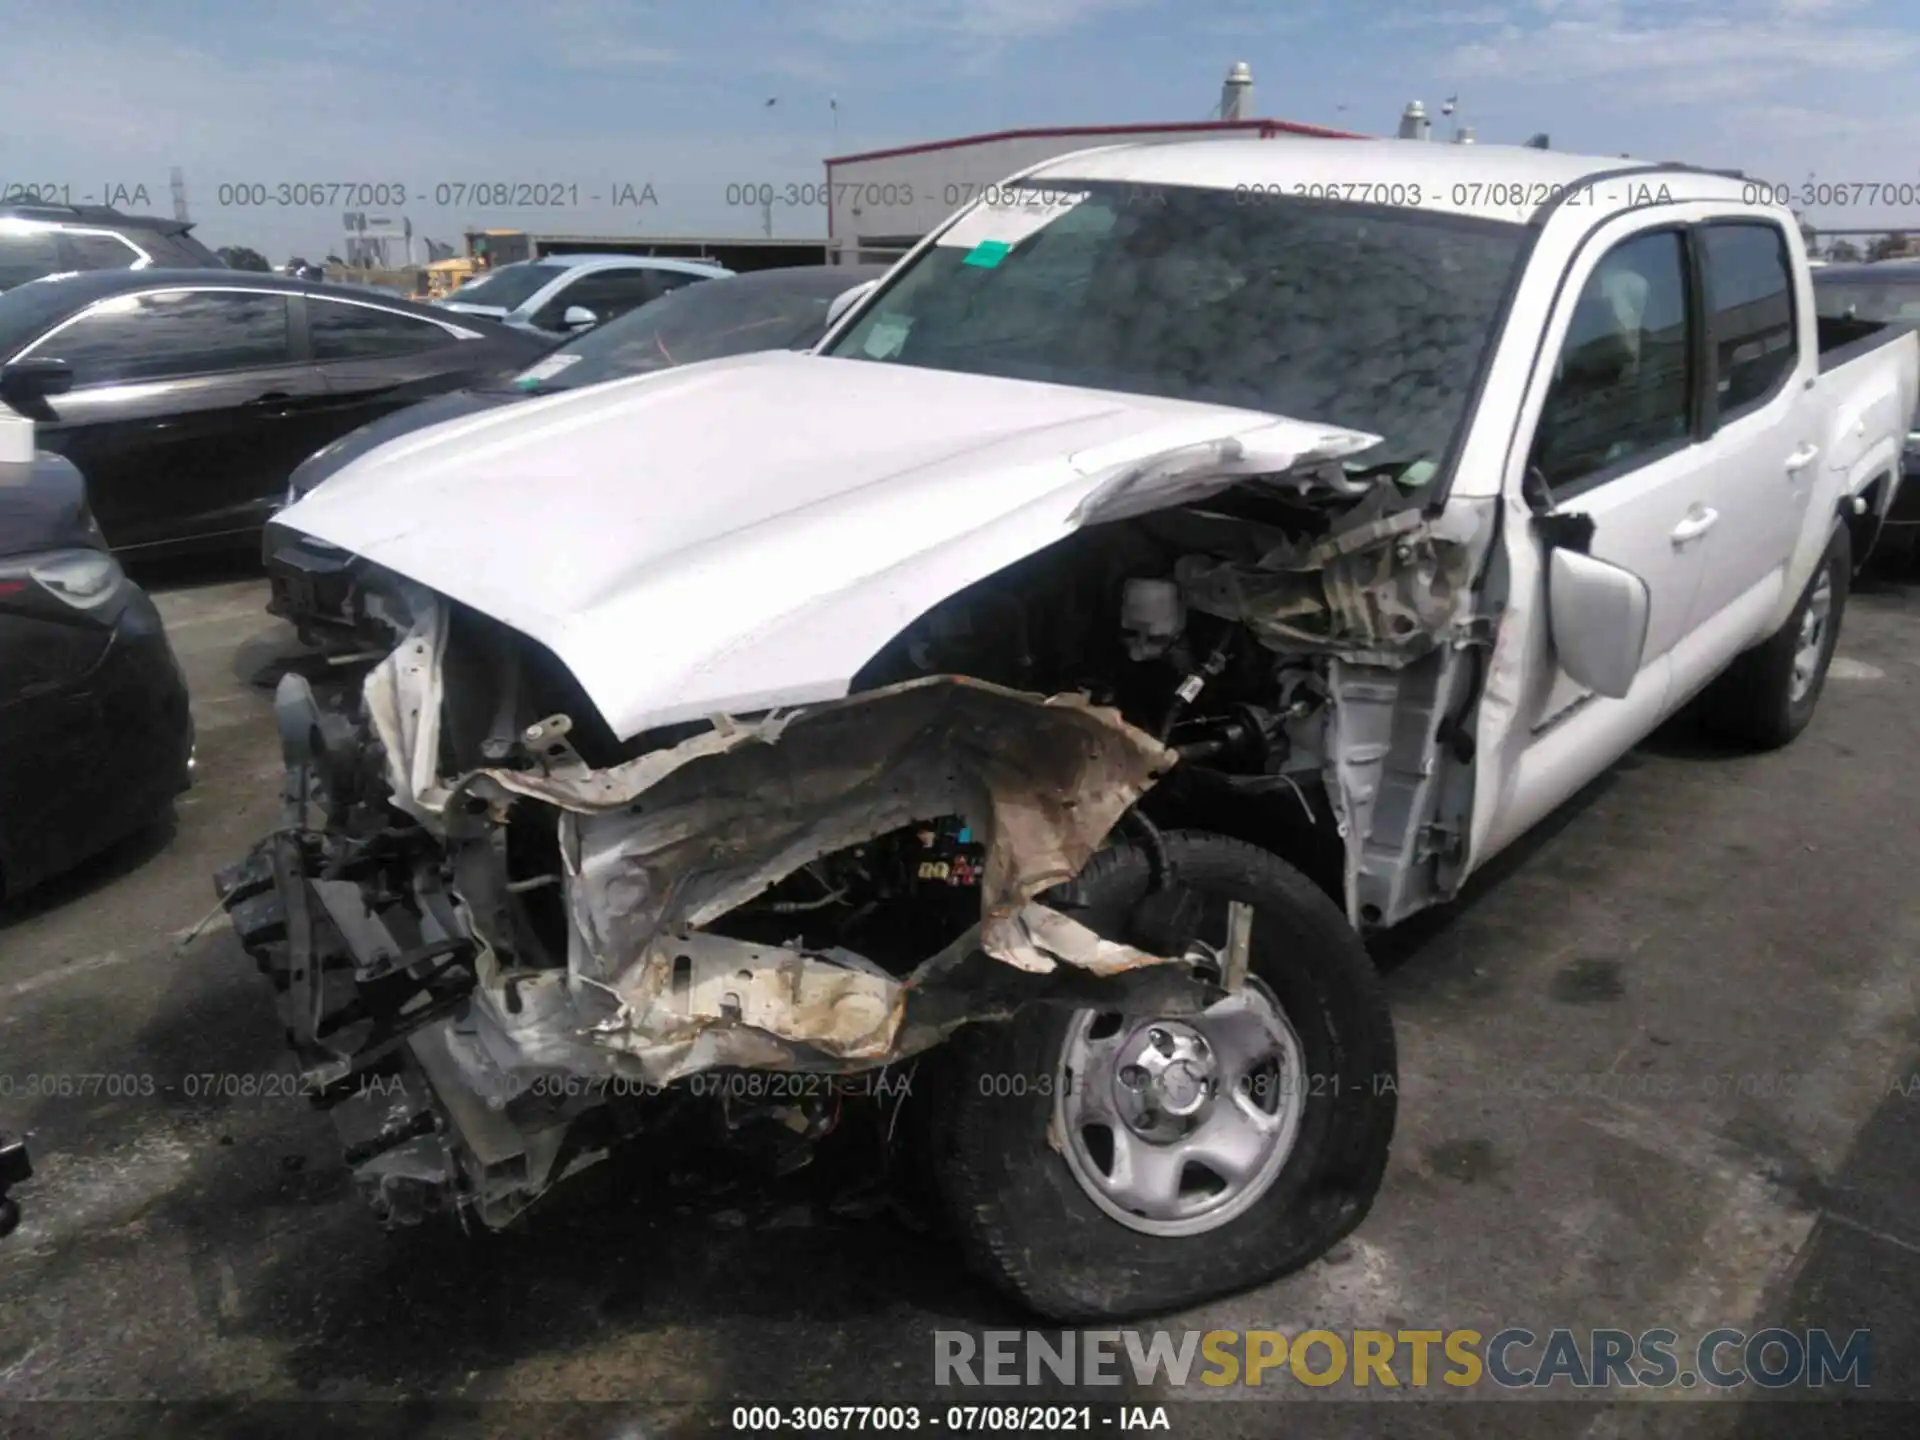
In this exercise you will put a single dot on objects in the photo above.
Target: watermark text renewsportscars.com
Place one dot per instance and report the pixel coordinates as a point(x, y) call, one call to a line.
point(1512, 1358)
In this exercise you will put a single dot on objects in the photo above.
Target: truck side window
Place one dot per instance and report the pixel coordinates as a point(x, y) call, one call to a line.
point(1621, 386)
point(1750, 312)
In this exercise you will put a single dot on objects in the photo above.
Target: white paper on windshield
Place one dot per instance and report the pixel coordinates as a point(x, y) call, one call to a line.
point(885, 337)
point(547, 368)
point(997, 221)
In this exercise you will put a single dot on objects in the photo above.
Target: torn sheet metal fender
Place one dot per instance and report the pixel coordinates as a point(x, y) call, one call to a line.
point(663, 845)
point(1136, 480)
point(747, 533)
point(1382, 589)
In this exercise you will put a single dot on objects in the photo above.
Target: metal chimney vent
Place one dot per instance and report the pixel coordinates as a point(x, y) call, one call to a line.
point(1236, 95)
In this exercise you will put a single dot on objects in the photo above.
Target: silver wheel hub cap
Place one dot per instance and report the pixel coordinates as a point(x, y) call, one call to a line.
point(1176, 1126)
point(1813, 637)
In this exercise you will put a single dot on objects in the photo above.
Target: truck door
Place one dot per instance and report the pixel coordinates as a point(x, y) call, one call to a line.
point(1760, 454)
point(1606, 431)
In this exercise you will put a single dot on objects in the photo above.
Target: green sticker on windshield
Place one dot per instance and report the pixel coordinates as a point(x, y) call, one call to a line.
point(987, 254)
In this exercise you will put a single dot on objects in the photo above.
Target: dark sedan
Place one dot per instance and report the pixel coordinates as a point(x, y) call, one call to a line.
point(187, 397)
point(1883, 293)
point(786, 309)
point(95, 735)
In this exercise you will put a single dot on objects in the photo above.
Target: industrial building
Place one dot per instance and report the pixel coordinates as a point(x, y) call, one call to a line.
point(503, 247)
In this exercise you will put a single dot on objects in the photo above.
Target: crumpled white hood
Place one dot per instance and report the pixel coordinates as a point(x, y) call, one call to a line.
point(744, 534)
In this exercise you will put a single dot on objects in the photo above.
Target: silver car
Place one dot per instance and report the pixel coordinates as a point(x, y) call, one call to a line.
point(562, 295)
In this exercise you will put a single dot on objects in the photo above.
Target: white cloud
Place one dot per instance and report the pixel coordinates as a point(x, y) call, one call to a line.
point(1255, 19)
point(616, 55)
point(1447, 18)
point(864, 21)
point(1780, 88)
point(594, 35)
point(1691, 61)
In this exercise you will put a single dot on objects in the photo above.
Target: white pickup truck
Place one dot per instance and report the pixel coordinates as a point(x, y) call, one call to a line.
point(1166, 575)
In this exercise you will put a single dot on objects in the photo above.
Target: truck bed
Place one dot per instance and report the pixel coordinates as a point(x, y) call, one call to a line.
point(1844, 339)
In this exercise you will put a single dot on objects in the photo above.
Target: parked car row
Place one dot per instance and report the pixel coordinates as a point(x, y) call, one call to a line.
point(171, 410)
point(187, 397)
point(564, 294)
point(784, 309)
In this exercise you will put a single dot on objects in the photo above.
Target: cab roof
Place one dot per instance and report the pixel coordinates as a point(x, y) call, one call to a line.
point(1492, 182)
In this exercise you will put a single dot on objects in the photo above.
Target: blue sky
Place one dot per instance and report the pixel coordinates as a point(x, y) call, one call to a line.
point(598, 93)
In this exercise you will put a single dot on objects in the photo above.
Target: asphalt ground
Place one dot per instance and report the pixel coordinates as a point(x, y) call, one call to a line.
point(1661, 1067)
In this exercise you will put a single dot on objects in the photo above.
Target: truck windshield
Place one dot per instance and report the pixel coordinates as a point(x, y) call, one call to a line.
point(1360, 316)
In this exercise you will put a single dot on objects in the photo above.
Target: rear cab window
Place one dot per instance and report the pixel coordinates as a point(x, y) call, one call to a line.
point(1890, 302)
point(1750, 313)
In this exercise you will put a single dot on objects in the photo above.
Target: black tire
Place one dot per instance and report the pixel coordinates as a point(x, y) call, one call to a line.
point(1014, 1207)
point(1752, 704)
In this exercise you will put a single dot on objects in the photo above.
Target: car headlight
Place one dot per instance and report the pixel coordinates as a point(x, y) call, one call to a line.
point(84, 579)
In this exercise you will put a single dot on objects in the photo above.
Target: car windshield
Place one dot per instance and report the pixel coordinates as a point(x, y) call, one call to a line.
point(175, 248)
point(508, 287)
point(1366, 317)
point(1885, 301)
point(772, 310)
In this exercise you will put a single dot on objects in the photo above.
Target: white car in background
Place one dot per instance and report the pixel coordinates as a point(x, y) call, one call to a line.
point(564, 295)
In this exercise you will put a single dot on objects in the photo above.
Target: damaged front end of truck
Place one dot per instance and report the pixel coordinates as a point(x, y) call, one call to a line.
point(502, 932)
point(490, 957)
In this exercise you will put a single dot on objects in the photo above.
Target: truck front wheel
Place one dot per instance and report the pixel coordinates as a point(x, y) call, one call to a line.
point(1768, 695)
point(1100, 1165)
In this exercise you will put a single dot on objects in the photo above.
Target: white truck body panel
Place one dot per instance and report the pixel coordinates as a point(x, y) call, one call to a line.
point(1760, 496)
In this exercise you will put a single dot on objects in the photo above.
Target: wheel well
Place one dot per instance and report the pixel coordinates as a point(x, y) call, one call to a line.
point(1863, 527)
point(1291, 819)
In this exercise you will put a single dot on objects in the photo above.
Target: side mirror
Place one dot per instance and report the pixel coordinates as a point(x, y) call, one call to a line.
point(578, 317)
point(846, 300)
point(26, 384)
point(1598, 616)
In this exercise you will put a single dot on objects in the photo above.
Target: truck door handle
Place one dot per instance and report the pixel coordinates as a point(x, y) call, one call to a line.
point(1801, 458)
point(1697, 523)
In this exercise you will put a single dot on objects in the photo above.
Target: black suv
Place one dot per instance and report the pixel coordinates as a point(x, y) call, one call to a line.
point(39, 239)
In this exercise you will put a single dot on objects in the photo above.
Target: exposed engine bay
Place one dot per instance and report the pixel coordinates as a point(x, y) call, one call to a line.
point(499, 932)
